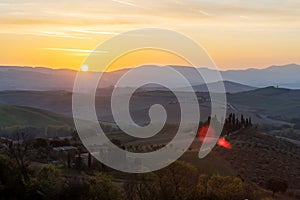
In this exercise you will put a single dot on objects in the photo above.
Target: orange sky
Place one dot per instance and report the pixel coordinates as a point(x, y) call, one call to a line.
point(236, 34)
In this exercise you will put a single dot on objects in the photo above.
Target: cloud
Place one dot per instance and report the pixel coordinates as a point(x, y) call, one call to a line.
point(127, 3)
point(45, 34)
point(94, 32)
point(87, 51)
point(61, 34)
point(142, 12)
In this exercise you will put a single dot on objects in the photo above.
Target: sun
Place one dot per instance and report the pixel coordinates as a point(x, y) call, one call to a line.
point(85, 68)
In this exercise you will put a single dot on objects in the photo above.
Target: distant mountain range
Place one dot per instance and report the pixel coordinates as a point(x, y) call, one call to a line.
point(285, 76)
point(28, 78)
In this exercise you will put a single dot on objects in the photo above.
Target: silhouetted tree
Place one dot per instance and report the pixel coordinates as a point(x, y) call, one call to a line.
point(276, 185)
point(89, 160)
point(18, 151)
point(243, 124)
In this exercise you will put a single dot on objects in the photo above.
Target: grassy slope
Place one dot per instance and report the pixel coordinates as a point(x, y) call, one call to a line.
point(31, 117)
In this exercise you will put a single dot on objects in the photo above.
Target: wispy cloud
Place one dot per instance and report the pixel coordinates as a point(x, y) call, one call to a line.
point(61, 34)
point(93, 32)
point(245, 17)
point(75, 50)
point(127, 3)
point(46, 34)
point(201, 12)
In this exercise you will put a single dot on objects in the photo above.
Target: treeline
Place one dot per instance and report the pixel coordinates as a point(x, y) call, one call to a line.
point(48, 182)
point(233, 123)
point(181, 180)
point(178, 181)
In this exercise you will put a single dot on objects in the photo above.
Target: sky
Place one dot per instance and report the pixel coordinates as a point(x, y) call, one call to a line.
point(237, 34)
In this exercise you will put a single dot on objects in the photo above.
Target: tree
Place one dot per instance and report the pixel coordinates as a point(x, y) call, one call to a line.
point(89, 160)
point(250, 122)
point(247, 122)
point(276, 185)
point(14, 186)
point(243, 123)
point(220, 187)
point(19, 152)
point(102, 188)
point(143, 187)
point(74, 189)
point(40, 143)
point(8, 182)
point(180, 181)
point(48, 182)
point(177, 181)
point(202, 186)
point(42, 147)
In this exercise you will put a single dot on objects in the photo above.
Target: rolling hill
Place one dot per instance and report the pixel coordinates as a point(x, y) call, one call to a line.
point(230, 87)
point(55, 101)
point(261, 104)
point(270, 101)
point(21, 116)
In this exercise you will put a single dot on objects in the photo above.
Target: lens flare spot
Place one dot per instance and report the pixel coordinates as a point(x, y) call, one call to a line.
point(206, 133)
point(224, 143)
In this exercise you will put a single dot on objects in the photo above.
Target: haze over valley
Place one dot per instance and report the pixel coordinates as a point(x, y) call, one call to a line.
point(40, 79)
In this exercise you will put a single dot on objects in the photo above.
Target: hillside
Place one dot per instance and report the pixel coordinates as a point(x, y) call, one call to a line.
point(270, 101)
point(257, 156)
point(20, 116)
point(254, 155)
point(55, 101)
point(230, 87)
point(259, 104)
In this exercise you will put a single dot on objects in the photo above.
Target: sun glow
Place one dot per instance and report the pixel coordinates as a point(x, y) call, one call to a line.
point(85, 68)
point(236, 34)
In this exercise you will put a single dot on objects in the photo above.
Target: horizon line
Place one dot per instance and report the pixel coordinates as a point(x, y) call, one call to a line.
point(127, 68)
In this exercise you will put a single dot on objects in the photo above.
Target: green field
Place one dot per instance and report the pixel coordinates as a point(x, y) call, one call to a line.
point(20, 116)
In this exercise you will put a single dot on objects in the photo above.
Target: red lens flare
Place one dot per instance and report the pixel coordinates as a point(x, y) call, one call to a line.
point(207, 134)
point(224, 143)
